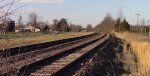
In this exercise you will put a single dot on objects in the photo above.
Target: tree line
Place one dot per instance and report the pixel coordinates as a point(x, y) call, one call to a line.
point(58, 26)
point(61, 25)
point(109, 24)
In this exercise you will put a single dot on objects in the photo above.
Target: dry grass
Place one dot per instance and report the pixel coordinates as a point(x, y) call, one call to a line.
point(141, 47)
point(13, 40)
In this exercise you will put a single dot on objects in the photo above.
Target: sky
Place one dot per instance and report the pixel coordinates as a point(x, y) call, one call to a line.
point(84, 11)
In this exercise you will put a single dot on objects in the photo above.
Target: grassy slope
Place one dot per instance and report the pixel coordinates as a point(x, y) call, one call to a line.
point(14, 40)
point(141, 46)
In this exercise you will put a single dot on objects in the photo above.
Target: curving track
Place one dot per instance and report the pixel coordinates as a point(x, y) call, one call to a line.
point(52, 68)
point(24, 49)
point(55, 58)
point(19, 57)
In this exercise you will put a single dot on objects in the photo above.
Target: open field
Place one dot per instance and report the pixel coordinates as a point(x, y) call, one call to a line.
point(141, 47)
point(14, 39)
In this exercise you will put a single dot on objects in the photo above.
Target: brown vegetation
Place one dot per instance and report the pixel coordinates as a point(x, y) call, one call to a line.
point(107, 25)
point(140, 44)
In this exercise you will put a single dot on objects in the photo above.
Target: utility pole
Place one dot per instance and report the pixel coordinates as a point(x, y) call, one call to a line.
point(138, 15)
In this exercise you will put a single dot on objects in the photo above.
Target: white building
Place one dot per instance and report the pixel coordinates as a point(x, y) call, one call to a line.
point(32, 28)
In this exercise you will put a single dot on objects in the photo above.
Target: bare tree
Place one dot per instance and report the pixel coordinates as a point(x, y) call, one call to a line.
point(89, 28)
point(117, 25)
point(5, 11)
point(143, 28)
point(20, 24)
point(118, 21)
point(120, 14)
point(79, 28)
point(55, 25)
point(5, 6)
point(143, 22)
point(33, 20)
point(72, 27)
point(107, 25)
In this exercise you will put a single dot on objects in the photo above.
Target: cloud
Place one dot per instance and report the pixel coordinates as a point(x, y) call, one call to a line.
point(42, 1)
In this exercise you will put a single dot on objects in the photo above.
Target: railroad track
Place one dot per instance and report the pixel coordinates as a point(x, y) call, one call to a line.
point(54, 68)
point(22, 56)
point(15, 63)
point(24, 49)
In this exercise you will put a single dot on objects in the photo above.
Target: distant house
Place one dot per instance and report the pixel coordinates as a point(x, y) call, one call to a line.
point(30, 28)
point(16, 28)
point(19, 28)
point(51, 28)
